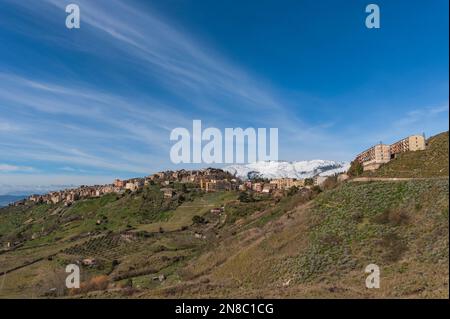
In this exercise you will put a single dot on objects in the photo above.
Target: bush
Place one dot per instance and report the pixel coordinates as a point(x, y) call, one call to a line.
point(292, 191)
point(198, 219)
point(393, 247)
point(245, 197)
point(95, 283)
point(394, 218)
point(316, 189)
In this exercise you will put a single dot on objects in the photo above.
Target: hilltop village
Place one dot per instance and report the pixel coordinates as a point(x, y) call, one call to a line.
point(213, 179)
point(207, 180)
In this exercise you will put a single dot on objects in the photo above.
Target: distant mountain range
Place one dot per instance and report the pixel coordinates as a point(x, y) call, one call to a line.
point(26, 190)
point(7, 199)
point(284, 169)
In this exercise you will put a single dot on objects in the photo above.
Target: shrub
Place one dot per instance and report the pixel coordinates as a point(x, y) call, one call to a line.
point(394, 218)
point(292, 191)
point(198, 219)
point(393, 247)
point(316, 189)
point(245, 197)
point(95, 283)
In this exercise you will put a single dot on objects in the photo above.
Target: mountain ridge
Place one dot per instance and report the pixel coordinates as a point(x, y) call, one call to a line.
point(288, 169)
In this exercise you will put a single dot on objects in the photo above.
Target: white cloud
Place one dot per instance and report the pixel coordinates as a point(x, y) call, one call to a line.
point(14, 168)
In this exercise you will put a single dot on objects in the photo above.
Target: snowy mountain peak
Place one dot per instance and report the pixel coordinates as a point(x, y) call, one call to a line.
point(284, 169)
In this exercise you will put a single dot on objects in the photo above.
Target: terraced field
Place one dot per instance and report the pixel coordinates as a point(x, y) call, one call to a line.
point(182, 216)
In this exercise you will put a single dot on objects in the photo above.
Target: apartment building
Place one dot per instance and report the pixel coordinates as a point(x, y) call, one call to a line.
point(374, 157)
point(410, 143)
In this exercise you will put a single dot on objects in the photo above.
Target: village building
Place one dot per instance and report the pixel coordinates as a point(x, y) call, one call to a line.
point(36, 198)
point(285, 183)
point(134, 185)
point(55, 198)
point(319, 180)
point(168, 192)
point(267, 189)
point(257, 187)
point(119, 183)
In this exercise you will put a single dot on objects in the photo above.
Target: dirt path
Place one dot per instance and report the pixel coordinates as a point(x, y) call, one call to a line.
point(392, 179)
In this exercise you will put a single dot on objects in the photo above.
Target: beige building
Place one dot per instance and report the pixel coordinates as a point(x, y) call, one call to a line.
point(319, 180)
point(379, 154)
point(410, 143)
point(258, 187)
point(374, 157)
point(168, 192)
point(119, 183)
point(285, 183)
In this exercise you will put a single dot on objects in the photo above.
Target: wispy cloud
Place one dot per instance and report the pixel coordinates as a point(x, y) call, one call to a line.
point(76, 123)
point(14, 168)
point(421, 115)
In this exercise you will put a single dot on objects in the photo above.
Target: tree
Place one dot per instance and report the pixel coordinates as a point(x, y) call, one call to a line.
point(309, 181)
point(355, 169)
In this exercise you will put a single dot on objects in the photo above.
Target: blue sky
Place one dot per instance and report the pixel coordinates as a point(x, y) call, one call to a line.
point(88, 105)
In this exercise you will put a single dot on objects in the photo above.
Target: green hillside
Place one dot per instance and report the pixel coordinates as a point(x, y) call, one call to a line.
point(304, 245)
point(321, 249)
point(432, 162)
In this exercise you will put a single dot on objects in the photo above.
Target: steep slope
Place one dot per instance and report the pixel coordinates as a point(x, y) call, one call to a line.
point(432, 162)
point(283, 169)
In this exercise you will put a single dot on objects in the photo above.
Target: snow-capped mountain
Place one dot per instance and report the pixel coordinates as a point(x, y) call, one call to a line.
point(283, 169)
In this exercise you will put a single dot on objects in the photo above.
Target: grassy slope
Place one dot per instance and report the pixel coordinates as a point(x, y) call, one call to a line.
point(432, 162)
point(322, 248)
point(72, 234)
